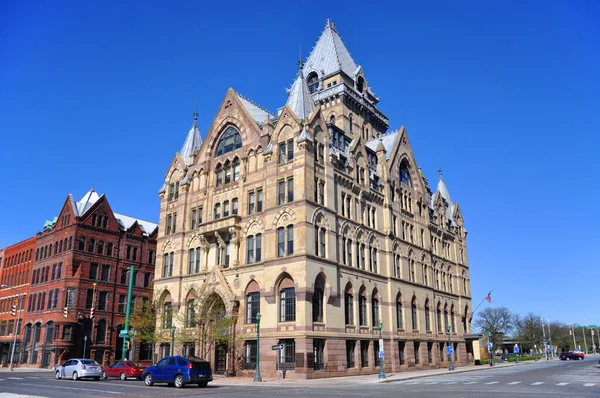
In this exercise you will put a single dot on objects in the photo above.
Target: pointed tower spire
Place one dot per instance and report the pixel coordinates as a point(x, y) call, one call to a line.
point(299, 99)
point(193, 141)
point(330, 55)
point(443, 190)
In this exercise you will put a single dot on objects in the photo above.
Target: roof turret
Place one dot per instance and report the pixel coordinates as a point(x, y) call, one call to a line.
point(330, 55)
point(192, 142)
point(299, 99)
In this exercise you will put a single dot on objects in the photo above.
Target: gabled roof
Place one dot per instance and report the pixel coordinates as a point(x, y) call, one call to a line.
point(442, 191)
point(125, 222)
point(86, 202)
point(299, 99)
point(192, 142)
point(388, 140)
point(330, 55)
point(258, 113)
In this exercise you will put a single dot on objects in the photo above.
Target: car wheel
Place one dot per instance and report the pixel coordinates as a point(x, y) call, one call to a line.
point(75, 376)
point(178, 381)
point(203, 384)
point(103, 377)
point(148, 380)
point(57, 375)
point(123, 376)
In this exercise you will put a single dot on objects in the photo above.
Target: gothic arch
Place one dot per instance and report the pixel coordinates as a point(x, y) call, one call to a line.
point(284, 217)
point(168, 246)
point(164, 295)
point(253, 226)
point(319, 218)
point(213, 139)
point(251, 287)
point(284, 280)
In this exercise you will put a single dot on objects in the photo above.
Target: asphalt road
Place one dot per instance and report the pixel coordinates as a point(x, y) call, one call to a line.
point(543, 380)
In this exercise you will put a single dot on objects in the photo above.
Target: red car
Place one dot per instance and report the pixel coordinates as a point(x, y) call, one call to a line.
point(123, 370)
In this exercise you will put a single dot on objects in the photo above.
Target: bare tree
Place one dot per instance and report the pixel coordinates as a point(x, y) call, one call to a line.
point(529, 331)
point(144, 322)
point(495, 323)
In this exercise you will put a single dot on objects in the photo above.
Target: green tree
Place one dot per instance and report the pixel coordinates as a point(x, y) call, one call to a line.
point(495, 323)
point(144, 322)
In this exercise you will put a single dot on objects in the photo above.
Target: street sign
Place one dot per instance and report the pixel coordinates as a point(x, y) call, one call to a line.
point(123, 332)
point(277, 347)
point(517, 349)
point(593, 326)
point(380, 354)
point(489, 345)
point(450, 350)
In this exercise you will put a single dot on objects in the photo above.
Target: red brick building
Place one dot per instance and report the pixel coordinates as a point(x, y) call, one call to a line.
point(15, 271)
point(81, 261)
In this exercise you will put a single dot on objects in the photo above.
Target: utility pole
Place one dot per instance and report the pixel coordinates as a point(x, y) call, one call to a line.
point(573, 332)
point(550, 339)
point(125, 331)
point(544, 335)
point(584, 342)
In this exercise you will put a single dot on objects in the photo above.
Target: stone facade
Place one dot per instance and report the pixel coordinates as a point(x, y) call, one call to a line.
point(324, 219)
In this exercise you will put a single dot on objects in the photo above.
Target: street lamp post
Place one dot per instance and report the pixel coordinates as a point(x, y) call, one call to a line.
point(12, 354)
point(173, 339)
point(381, 373)
point(550, 340)
point(84, 346)
point(257, 377)
point(584, 341)
point(450, 365)
point(128, 313)
point(544, 340)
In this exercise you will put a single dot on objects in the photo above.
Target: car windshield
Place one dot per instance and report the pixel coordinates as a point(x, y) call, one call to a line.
point(132, 364)
point(89, 362)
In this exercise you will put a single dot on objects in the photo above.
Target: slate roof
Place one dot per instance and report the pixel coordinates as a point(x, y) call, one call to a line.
point(258, 113)
point(330, 55)
point(299, 99)
point(192, 143)
point(388, 140)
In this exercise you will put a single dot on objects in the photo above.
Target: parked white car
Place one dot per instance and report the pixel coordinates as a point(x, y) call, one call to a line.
point(78, 368)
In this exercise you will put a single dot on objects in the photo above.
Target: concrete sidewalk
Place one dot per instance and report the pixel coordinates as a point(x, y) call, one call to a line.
point(366, 379)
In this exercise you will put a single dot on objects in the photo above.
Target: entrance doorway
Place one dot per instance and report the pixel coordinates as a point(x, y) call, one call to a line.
point(221, 358)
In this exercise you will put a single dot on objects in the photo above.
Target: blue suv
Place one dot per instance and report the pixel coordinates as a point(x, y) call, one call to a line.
point(179, 371)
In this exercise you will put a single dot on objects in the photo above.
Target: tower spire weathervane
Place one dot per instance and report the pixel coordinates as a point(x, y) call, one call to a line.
point(441, 171)
point(196, 111)
point(300, 62)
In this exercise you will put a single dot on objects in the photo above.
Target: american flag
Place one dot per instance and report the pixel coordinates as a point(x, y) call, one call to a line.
point(489, 297)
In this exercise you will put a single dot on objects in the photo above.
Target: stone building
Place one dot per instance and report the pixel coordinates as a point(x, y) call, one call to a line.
point(81, 261)
point(15, 270)
point(320, 220)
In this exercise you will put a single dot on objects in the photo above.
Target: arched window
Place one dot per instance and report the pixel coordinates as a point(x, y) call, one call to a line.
point(317, 301)
point(351, 122)
point(427, 317)
point(399, 313)
point(227, 172)
point(452, 324)
point(250, 248)
point(288, 304)
point(332, 120)
point(167, 315)
point(109, 249)
point(70, 243)
point(252, 304)
point(415, 323)
point(360, 84)
point(101, 332)
point(405, 174)
point(349, 252)
point(375, 309)
point(229, 142)
point(219, 175)
point(60, 247)
point(192, 260)
point(91, 244)
point(349, 306)
point(362, 308)
point(100, 247)
point(236, 169)
point(313, 82)
point(190, 314)
point(439, 317)
point(81, 244)
point(446, 317)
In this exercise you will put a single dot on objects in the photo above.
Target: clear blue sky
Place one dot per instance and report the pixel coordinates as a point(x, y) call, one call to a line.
point(504, 95)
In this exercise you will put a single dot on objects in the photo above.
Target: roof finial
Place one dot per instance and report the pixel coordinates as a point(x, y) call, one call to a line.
point(300, 62)
point(195, 114)
point(441, 176)
point(93, 189)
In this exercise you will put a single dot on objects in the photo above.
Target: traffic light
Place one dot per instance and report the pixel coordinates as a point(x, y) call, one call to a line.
point(66, 312)
point(13, 311)
point(92, 312)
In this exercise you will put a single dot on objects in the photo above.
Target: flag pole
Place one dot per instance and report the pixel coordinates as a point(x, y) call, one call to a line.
point(475, 310)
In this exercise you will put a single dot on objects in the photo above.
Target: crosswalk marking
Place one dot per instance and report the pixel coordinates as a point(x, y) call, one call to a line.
point(492, 382)
point(471, 382)
point(15, 378)
point(537, 383)
point(562, 384)
point(589, 384)
point(514, 382)
point(453, 382)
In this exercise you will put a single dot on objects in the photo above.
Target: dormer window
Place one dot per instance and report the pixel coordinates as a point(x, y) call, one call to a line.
point(313, 82)
point(360, 84)
point(229, 142)
point(405, 174)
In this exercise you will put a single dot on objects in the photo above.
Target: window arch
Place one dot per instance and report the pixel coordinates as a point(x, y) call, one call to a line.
point(452, 324)
point(229, 142)
point(405, 174)
point(227, 171)
point(427, 317)
point(415, 323)
point(287, 297)
point(91, 244)
point(317, 299)
point(349, 304)
point(100, 247)
point(446, 317)
point(219, 175)
point(312, 82)
point(399, 312)
point(362, 307)
point(252, 302)
point(360, 84)
point(439, 317)
point(375, 308)
point(81, 244)
point(190, 313)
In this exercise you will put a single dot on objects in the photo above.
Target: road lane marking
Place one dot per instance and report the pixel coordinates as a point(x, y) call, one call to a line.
point(471, 382)
point(15, 378)
point(453, 382)
point(589, 384)
point(492, 382)
point(537, 383)
point(562, 384)
point(72, 388)
point(513, 383)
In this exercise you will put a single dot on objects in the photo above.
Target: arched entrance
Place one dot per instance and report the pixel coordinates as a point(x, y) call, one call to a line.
point(213, 331)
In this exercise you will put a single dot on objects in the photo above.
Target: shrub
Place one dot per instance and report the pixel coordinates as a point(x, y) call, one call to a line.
point(522, 358)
